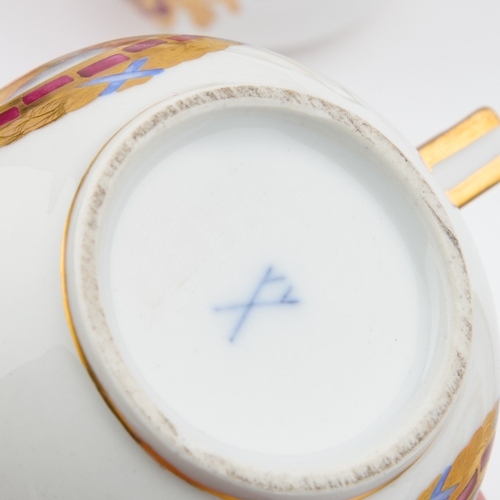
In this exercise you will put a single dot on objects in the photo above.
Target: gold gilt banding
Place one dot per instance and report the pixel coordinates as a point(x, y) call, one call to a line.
point(476, 184)
point(107, 399)
point(79, 89)
point(469, 468)
point(458, 137)
point(109, 402)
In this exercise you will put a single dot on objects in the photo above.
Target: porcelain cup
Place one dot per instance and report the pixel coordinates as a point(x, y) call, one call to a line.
point(225, 276)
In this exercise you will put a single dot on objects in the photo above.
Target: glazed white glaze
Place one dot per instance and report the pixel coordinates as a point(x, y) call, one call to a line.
point(405, 431)
point(39, 187)
point(214, 215)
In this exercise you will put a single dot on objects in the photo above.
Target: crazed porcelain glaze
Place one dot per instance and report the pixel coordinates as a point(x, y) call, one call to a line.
point(269, 294)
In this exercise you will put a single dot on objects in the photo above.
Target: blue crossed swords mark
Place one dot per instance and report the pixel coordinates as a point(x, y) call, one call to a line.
point(438, 493)
point(268, 278)
point(116, 81)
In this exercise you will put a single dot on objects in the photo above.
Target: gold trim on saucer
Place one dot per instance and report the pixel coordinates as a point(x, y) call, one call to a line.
point(458, 137)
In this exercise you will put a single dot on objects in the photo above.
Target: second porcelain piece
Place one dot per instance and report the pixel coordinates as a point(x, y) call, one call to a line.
point(279, 24)
point(269, 294)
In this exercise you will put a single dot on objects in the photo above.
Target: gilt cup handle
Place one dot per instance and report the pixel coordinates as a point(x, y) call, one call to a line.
point(465, 158)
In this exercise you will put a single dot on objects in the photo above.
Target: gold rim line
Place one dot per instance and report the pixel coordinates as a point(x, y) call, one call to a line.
point(107, 399)
point(476, 184)
point(102, 391)
point(458, 137)
point(119, 415)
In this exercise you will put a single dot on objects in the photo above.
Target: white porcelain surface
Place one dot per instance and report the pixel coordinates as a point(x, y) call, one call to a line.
point(42, 375)
point(230, 216)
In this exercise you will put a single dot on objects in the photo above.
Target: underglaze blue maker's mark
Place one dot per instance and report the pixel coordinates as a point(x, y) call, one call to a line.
point(246, 308)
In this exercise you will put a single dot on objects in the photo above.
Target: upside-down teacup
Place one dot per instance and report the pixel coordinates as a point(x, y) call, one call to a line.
point(224, 275)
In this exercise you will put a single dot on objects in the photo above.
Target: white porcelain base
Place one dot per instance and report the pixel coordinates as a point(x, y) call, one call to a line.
point(204, 276)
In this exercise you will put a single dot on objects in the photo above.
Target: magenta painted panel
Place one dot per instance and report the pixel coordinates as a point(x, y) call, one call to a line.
point(46, 89)
point(469, 489)
point(9, 115)
point(102, 65)
point(486, 456)
point(146, 44)
point(184, 38)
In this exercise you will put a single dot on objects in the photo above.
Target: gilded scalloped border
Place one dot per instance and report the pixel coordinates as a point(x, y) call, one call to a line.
point(122, 64)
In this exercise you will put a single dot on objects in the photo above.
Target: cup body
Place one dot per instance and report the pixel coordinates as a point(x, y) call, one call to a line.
point(75, 392)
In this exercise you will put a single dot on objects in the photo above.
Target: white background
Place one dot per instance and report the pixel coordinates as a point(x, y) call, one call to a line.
point(423, 64)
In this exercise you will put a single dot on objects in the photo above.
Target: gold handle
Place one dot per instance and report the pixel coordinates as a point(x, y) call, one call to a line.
point(456, 139)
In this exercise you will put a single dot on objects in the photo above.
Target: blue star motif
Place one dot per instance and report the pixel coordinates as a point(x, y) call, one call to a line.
point(116, 81)
point(438, 493)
